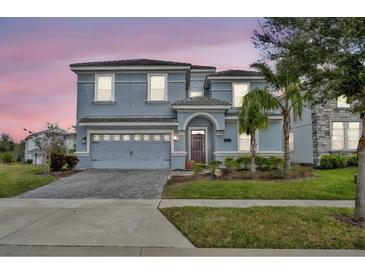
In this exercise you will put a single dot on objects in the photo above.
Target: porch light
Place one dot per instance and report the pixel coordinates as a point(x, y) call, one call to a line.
point(175, 138)
point(83, 141)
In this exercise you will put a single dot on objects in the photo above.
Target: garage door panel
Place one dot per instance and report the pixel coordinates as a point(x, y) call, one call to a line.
point(131, 154)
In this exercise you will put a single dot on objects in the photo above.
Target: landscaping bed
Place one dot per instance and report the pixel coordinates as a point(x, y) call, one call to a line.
point(19, 178)
point(267, 227)
point(335, 184)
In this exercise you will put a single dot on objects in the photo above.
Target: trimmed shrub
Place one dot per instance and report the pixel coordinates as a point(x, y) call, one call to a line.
point(29, 161)
point(244, 162)
point(353, 160)
point(71, 161)
point(58, 161)
point(197, 168)
point(231, 163)
point(329, 161)
point(7, 157)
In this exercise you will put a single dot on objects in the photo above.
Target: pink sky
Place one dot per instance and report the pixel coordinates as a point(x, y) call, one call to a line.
point(37, 86)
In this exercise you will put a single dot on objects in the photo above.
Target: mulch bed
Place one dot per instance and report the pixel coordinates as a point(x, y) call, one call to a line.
point(64, 173)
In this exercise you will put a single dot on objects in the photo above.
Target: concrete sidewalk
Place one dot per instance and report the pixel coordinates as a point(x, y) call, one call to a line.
point(16, 250)
point(249, 203)
point(85, 223)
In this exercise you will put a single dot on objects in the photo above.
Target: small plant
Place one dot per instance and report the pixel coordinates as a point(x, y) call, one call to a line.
point(7, 157)
point(329, 161)
point(352, 160)
point(213, 165)
point(244, 162)
point(29, 161)
point(231, 163)
point(197, 168)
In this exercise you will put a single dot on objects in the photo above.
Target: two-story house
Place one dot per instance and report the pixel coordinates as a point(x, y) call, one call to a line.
point(151, 114)
point(325, 129)
point(32, 152)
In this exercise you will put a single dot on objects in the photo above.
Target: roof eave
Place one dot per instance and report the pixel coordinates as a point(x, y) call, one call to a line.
point(200, 107)
point(235, 77)
point(108, 68)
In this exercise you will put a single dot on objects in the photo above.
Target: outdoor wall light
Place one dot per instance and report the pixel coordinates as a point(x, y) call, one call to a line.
point(175, 138)
point(83, 140)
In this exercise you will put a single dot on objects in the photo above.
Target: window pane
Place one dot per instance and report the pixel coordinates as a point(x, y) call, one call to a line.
point(157, 137)
point(157, 87)
point(126, 137)
point(116, 137)
point(196, 93)
point(137, 137)
point(239, 91)
point(146, 137)
point(167, 138)
point(104, 88)
point(96, 138)
point(353, 135)
point(244, 142)
point(106, 137)
point(291, 141)
point(341, 102)
point(337, 136)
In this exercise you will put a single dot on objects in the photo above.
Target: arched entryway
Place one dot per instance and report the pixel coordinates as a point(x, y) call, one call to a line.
point(200, 133)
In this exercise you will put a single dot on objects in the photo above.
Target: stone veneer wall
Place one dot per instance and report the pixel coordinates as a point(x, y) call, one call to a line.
point(322, 118)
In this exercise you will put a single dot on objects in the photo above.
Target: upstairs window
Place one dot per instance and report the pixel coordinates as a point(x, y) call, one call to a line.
point(104, 90)
point(239, 91)
point(244, 142)
point(196, 93)
point(157, 87)
point(342, 102)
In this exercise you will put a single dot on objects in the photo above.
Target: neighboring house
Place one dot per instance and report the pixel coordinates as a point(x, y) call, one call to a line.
point(151, 114)
point(327, 129)
point(32, 152)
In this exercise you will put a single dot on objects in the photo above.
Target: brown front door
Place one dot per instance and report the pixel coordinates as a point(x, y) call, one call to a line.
point(198, 146)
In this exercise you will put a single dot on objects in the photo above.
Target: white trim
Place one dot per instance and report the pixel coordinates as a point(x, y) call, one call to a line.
point(96, 86)
point(130, 124)
point(122, 131)
point(95, 68)
point(201, 107)
point(233, 94)
point(203, 114)
point(179, 153)
point(271, 117)
point(235, 77)
point(149, 87)
point(206, 141)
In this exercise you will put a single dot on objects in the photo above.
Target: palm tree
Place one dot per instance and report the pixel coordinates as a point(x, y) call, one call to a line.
point(252, 117)
point(291, 100)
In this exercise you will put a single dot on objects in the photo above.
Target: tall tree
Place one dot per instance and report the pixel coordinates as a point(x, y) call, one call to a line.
point(330, 56)
point(252, 117)
point(6, 143)
point(285, 82)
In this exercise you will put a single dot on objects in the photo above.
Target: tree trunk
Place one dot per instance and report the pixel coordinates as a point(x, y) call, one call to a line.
point(253, 152)
point(286, 131)
point(360, 186)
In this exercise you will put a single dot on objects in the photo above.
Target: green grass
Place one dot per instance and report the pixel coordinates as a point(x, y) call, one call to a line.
point(335, 184)
point(18, 178)
point(267, 227)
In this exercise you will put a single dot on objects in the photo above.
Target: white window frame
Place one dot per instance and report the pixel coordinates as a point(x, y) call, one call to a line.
point(106, 137)
point(342, 105)
point(96, 87)
point(291, 141)
point(344, 136)
point(126, 137)
point(239, 143)
point(137, 137)
point(347, 135)
point(150, 75)
point(157, 137)
point(116, 137)
point(167, 138)
point(146, 138)
point(96, 138)
point(233, 91)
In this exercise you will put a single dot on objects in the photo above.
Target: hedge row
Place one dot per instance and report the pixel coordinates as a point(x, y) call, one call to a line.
point(242, 163)
point(330, 161)
point(59, 161)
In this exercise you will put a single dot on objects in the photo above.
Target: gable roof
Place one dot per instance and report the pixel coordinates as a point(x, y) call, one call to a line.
point(201, 101)
point(236, 73)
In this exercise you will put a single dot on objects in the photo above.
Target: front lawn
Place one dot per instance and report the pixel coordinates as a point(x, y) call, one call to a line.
point(18, 178)
point(267, 227)
point(335, 184)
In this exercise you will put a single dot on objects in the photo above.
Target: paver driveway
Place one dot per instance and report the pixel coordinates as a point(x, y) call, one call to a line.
point(105, 184)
